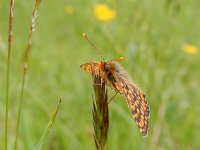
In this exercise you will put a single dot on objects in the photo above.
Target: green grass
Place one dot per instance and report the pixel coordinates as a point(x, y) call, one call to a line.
point(148, 34)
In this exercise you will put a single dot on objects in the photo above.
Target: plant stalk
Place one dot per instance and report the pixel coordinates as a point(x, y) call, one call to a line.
point(25, 63)
point(8, 70)
point(100, 113)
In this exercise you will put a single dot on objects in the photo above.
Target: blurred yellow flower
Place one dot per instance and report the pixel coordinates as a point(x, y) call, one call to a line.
point(190, 49)
point(103, 13)
point(69, 9)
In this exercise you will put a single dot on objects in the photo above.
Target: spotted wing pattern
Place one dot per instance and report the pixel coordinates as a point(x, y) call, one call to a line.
point(88, 67)
point(135, 98)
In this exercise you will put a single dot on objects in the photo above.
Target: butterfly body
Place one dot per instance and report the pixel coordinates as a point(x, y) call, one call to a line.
point(117, 79)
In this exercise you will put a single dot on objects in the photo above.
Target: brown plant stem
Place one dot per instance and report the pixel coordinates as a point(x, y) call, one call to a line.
point(100, 113)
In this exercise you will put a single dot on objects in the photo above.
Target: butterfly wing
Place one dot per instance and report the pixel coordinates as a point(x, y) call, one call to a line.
point(135, 98)
point(88, 67)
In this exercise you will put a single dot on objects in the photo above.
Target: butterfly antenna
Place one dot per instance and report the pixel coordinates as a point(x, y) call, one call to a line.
point(118, 59)
point(98, 51)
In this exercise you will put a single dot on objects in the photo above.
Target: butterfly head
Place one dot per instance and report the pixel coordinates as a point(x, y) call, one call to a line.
point(106, 67)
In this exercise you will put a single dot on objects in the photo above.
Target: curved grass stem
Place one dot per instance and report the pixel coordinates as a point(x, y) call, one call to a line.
point(25, 59)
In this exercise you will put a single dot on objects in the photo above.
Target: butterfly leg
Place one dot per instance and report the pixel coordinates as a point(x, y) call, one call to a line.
point(102, 81)
point(112, 98)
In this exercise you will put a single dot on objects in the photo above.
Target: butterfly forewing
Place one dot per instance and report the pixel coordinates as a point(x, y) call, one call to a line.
point(88, 67)
point(135, 98)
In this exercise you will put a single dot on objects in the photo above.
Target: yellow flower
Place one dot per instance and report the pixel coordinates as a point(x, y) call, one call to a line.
point(190, 49)
point(69, 9)
point(103, 13)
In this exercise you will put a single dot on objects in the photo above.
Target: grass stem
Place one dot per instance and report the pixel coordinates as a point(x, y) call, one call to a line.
point(20, 106)
point(8, 70)
point(26, 58)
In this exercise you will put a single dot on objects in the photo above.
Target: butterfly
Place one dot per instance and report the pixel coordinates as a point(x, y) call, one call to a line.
point(117, 79)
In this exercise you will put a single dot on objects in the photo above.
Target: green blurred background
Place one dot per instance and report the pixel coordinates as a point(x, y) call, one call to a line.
point(159, 41)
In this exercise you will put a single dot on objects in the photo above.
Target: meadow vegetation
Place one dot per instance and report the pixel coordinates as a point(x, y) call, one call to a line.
point(159, 41)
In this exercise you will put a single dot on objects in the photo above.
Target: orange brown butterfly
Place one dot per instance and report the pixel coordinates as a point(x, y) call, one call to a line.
point(117, 79)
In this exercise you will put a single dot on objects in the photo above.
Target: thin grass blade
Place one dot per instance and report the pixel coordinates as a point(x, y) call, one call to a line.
point(43, 138)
